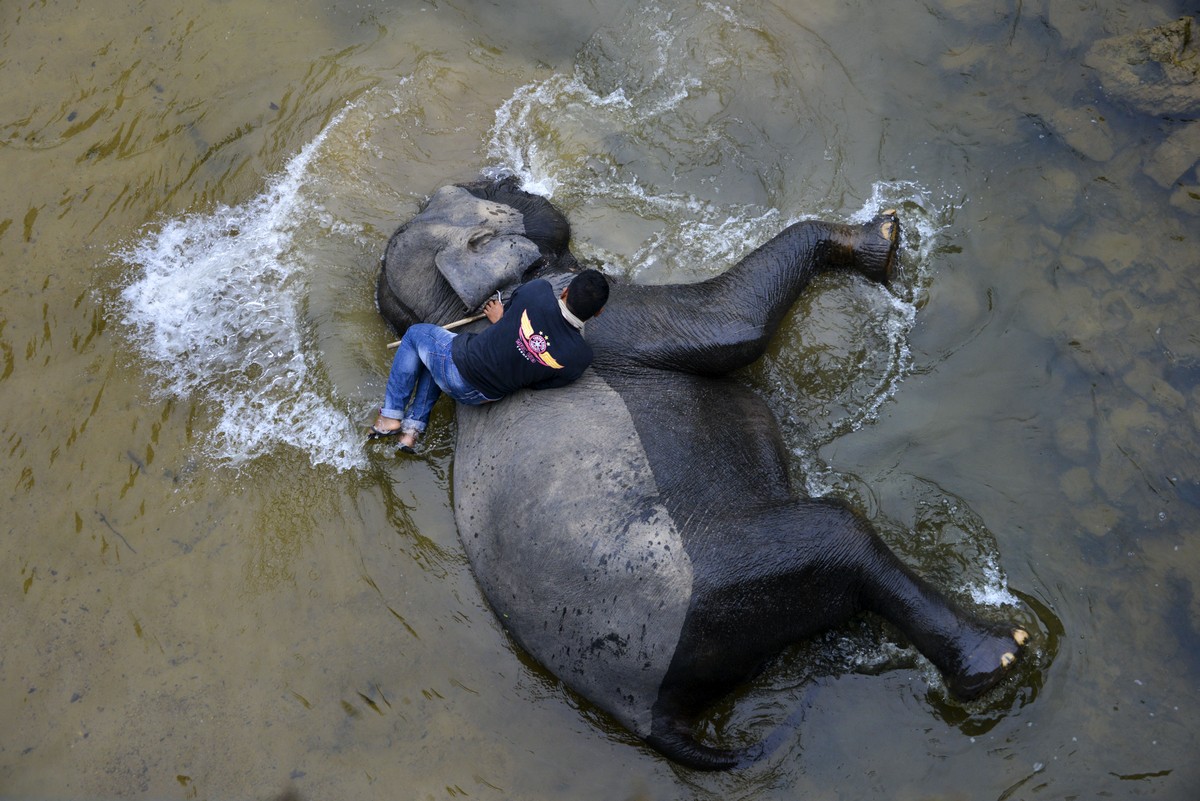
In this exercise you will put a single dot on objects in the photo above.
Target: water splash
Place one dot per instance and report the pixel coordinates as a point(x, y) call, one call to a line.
point(215, 306)
point(924, 219)
point(632, 130)
point(514, 141)
point(991, 588)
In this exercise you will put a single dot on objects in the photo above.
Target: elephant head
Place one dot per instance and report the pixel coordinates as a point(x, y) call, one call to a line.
point(467, 242)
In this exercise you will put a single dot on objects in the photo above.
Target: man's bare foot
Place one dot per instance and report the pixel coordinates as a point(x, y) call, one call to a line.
point(408, 441)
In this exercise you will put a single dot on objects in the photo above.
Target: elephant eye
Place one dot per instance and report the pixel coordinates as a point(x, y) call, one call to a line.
point(478, 239)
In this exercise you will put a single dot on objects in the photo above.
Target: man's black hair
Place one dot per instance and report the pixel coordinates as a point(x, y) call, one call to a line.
point(587, 293)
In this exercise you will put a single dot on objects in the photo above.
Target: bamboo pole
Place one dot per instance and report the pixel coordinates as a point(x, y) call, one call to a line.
point(449, 326)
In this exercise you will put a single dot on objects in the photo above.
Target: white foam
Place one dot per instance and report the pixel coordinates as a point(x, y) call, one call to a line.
point(514, 143)
point(214, 304)
point(992, 587)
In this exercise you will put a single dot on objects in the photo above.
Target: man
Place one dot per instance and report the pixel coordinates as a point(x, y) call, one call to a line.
point(536, 342)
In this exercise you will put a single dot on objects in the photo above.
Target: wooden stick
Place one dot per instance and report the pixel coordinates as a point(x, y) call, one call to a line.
point(449, 326)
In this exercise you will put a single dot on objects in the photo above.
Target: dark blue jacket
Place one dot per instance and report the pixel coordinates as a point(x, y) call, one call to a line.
point(532, 345)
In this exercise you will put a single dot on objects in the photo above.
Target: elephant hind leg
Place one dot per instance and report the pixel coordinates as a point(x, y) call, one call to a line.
point(972, 654)
point(809, 567)
point(673, 736)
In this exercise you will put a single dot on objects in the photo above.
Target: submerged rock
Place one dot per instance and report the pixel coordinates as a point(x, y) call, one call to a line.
point(1084, 131)
point(1155, 71)
point(1175, 156)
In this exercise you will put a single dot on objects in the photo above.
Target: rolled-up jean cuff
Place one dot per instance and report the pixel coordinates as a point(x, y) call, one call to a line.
point(408, 424)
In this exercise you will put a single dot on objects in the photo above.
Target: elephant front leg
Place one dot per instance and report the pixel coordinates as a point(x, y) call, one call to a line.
point(716, 326)
point(773, 275)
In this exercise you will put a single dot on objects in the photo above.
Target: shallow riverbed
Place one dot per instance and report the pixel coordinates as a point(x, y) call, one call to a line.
point(212, 590)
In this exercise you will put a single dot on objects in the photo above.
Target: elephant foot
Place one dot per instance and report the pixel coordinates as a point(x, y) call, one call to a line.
point(987, 663)
point(875, 252)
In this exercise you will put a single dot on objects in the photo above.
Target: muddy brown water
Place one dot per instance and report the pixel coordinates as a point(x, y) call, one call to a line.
point(211, 590)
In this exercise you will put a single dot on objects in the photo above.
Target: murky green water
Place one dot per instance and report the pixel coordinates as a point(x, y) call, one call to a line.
point(210, 590)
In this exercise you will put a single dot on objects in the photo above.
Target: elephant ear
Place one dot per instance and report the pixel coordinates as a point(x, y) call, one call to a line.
point(483, 244)
point(479, 262)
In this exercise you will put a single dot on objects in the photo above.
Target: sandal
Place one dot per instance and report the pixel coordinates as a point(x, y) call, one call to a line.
point(375, 432)
point(378, 433)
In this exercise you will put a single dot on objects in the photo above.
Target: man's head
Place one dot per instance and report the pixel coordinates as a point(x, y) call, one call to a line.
point(586, 294)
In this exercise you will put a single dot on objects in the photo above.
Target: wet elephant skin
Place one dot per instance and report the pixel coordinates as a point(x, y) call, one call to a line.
point(637, 532)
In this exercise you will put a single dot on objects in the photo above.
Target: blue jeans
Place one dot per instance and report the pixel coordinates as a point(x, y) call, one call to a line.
point(423, 369)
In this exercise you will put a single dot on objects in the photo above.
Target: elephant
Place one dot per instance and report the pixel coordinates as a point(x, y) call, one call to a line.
point(636, 532)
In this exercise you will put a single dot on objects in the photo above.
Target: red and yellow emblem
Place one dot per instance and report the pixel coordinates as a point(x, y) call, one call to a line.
point(535, 345)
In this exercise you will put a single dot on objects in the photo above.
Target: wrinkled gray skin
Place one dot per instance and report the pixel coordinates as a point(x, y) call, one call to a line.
point(636, 532)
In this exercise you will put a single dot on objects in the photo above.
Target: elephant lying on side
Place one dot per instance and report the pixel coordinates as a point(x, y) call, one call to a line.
point(636, 532)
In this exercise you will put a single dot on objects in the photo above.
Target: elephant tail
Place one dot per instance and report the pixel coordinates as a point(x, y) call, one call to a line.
point(674, 739)
point(679, 745)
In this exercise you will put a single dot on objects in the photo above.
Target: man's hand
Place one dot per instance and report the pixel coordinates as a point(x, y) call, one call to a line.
point(494, 310)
